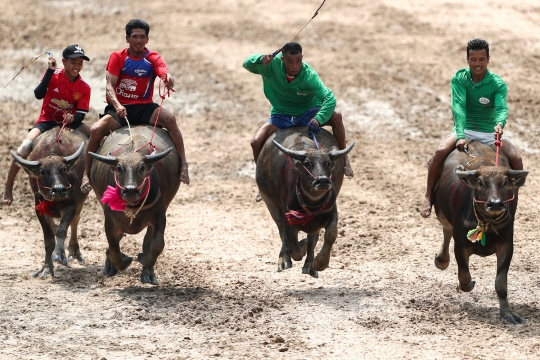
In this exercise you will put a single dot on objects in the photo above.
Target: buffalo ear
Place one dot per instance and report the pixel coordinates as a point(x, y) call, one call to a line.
point(468, 177)
point(517, 177)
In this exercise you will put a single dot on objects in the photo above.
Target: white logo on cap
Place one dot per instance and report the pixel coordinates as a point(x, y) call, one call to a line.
point(79, 49)
point(484, 101)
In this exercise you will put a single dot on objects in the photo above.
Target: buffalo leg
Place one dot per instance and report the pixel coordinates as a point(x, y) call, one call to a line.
point(442, 258)
point(115, 259)
point(330, 234)
point(464, 275)
point(47, 224)
point(153, 245)
point(73, 247)
point(504, 256)
point(284, 261)
point(59, 254)
point(308, 268)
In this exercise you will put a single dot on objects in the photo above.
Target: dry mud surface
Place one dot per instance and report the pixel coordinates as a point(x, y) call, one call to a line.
point(389, 64)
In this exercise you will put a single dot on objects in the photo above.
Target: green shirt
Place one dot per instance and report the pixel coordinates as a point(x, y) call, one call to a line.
point(478, 107)
point(294, 98)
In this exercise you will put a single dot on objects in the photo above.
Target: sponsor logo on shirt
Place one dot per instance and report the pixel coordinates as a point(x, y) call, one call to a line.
point(301, 94)
point(484, 101)
point(140, 72)
point(56, 90)
point(63, 104)
point(77, 96)
point(127, 85)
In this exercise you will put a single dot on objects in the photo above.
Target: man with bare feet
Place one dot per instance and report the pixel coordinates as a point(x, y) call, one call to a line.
point(130, 85)
point(66, 98)
point(298, 98)
point(479, 109)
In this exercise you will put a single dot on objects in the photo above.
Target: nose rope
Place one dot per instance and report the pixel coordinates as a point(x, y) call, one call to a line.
point(479, 233)
point(147, 178)
point(313, 176)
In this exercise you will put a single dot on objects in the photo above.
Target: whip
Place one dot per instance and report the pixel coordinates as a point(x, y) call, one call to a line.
point(291, 39)
point(28, 63)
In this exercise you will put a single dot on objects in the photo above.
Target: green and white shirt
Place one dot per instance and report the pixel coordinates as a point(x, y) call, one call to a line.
point(295, 98)
point(478, 107)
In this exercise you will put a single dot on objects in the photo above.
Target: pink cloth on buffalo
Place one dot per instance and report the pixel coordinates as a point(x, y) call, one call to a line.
point(112, 196)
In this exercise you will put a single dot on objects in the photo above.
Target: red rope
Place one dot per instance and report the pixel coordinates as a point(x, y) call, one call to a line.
point(498, 144)
point(166, 93)
point(59, 135)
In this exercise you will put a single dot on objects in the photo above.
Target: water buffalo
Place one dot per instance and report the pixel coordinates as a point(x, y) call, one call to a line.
point(299, 185)
point(55, 169)
point(477, 200)
point(138, 188)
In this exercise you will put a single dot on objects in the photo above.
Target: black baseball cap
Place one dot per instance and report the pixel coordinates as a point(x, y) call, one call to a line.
point(74, 51)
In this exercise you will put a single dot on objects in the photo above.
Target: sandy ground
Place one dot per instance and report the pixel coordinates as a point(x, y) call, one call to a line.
point(389, 64)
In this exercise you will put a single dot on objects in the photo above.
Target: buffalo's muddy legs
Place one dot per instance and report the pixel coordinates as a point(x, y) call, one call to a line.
point(290, 247)
point(153, 245)
point(308, 264)
point(442, 258)
point(323, 257)
point(504, 256)
point(464, 275)
point(115, 259)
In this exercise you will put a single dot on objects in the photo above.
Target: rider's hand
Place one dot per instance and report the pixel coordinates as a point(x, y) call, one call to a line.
point(121, 112)
point(266, 59)
point(69, 118)
point(169, 81)
point(314, 126)
point(498, 129)
point(462, 144)
point(52, 63)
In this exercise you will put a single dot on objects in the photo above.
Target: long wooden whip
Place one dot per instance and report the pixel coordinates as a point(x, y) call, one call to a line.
point(298, 32)
point(28, 63)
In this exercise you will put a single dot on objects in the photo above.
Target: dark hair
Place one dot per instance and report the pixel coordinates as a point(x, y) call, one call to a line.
point(137, 24)
point(477, 44)
point(291, 48)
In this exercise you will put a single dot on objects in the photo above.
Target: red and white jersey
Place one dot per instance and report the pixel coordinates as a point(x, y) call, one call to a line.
point(64, 96)
point(136, 76)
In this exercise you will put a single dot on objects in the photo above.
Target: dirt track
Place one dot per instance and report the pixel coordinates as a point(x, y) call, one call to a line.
point(389, 64)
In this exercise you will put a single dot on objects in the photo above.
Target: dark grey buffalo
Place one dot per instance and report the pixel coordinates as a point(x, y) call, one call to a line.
point(476, 201)
point(300, 184)
point(55, 167)
point(144, 185)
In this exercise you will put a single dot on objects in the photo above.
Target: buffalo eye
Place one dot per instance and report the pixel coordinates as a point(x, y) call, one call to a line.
point(480, 182)
point(142, 167)
point(307, 163)
point(119, 168)
point(62, 170)
point(43, 172)
point(505, 182)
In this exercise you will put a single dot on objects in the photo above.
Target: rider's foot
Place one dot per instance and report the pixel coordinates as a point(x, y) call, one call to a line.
point(184, 175)
point(348, 169)
point(426, 210)
point(85, 185)
point(258, 197)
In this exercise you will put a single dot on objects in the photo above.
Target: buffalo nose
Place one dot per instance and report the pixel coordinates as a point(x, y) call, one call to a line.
point(323, 181)
point(57, 189)
point(494, 203)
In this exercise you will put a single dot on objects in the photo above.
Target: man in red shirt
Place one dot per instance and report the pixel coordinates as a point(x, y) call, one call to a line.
point(66, 97)
point(130, 85)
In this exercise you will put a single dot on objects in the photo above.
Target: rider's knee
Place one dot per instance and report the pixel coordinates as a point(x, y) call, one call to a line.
point(336, 118)
point(25, 149)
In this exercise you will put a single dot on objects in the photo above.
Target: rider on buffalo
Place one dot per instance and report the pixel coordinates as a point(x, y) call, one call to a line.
point(480, 111)
point(297, 95)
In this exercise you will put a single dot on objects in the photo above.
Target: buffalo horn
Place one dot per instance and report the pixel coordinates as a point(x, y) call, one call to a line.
point(335, 154)
point(298, 155)
point(152, 158)
point(109, 159)
point(71, 158)
point(30, 165)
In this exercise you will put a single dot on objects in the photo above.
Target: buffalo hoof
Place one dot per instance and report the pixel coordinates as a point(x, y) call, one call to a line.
point(43, 273)
point(148, 276)
point(514, 319)
point(321, 263)
point(441, 263)
point(468, 287)
point(78, 257)
point(110, 269)
point(60, 258)
point(311, 271)
point(284, 264)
